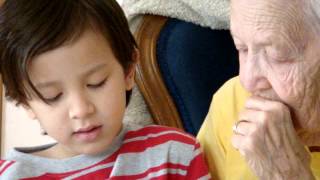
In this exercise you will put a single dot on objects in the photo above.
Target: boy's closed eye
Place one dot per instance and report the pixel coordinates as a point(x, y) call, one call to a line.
point(55, 98)
point(97, 85)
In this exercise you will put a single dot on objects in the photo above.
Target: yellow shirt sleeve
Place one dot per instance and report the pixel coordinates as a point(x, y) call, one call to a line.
point(212, 146)
point(215, 133)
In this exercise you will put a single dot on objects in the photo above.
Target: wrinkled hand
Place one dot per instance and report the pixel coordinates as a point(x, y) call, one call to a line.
point(269, 143)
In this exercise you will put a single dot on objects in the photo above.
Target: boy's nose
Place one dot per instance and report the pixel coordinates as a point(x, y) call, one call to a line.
point(80, 107)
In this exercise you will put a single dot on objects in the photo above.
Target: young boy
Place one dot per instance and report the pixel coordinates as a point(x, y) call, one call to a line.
point(70, 64)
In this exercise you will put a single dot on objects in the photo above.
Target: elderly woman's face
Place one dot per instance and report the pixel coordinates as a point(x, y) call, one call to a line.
point(279, 58)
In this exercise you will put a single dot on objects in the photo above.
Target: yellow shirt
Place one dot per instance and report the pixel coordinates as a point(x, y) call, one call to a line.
point(215, 135)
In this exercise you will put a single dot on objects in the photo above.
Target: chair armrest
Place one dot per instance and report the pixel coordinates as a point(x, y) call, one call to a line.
point(148, 75)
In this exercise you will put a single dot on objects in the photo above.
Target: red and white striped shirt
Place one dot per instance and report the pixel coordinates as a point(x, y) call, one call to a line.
point(152, 152)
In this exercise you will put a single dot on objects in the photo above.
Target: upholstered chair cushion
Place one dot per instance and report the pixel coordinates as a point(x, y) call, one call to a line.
point(194, 62)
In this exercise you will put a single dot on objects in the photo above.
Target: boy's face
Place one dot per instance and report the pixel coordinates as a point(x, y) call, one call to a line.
point(86, 88)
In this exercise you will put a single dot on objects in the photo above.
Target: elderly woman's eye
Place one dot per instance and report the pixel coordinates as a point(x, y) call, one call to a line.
point(276, 54)
point(277, 57)
point(97, 85)
point(242, 50)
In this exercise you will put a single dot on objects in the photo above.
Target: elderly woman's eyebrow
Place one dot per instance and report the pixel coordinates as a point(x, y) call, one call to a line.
point(233, 34)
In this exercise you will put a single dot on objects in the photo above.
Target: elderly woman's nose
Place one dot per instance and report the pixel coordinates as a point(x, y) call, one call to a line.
point(253, 75)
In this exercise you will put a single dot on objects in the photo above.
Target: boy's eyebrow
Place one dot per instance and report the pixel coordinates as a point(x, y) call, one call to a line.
point(95, 68)
point(92, 70)
point(42, 85)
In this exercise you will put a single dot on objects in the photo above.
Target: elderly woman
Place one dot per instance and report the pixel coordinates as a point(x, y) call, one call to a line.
point(265, 123)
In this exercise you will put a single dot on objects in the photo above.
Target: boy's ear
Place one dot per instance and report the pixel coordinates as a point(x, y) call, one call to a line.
point(132, 69)
point(29, 112)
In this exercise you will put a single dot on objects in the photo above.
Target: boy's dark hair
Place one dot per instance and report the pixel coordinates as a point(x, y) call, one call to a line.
point(29, 28)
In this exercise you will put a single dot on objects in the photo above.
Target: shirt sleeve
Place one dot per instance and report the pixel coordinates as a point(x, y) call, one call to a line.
point(4, 166)
point(211, 141)
point(198, 168)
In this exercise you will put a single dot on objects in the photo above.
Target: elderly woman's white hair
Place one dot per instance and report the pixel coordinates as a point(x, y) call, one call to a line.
point(312, 10)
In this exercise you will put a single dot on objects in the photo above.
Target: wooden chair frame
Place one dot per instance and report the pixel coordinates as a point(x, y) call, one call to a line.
point(1, 121)
point(1, 103)
point(148, 75)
